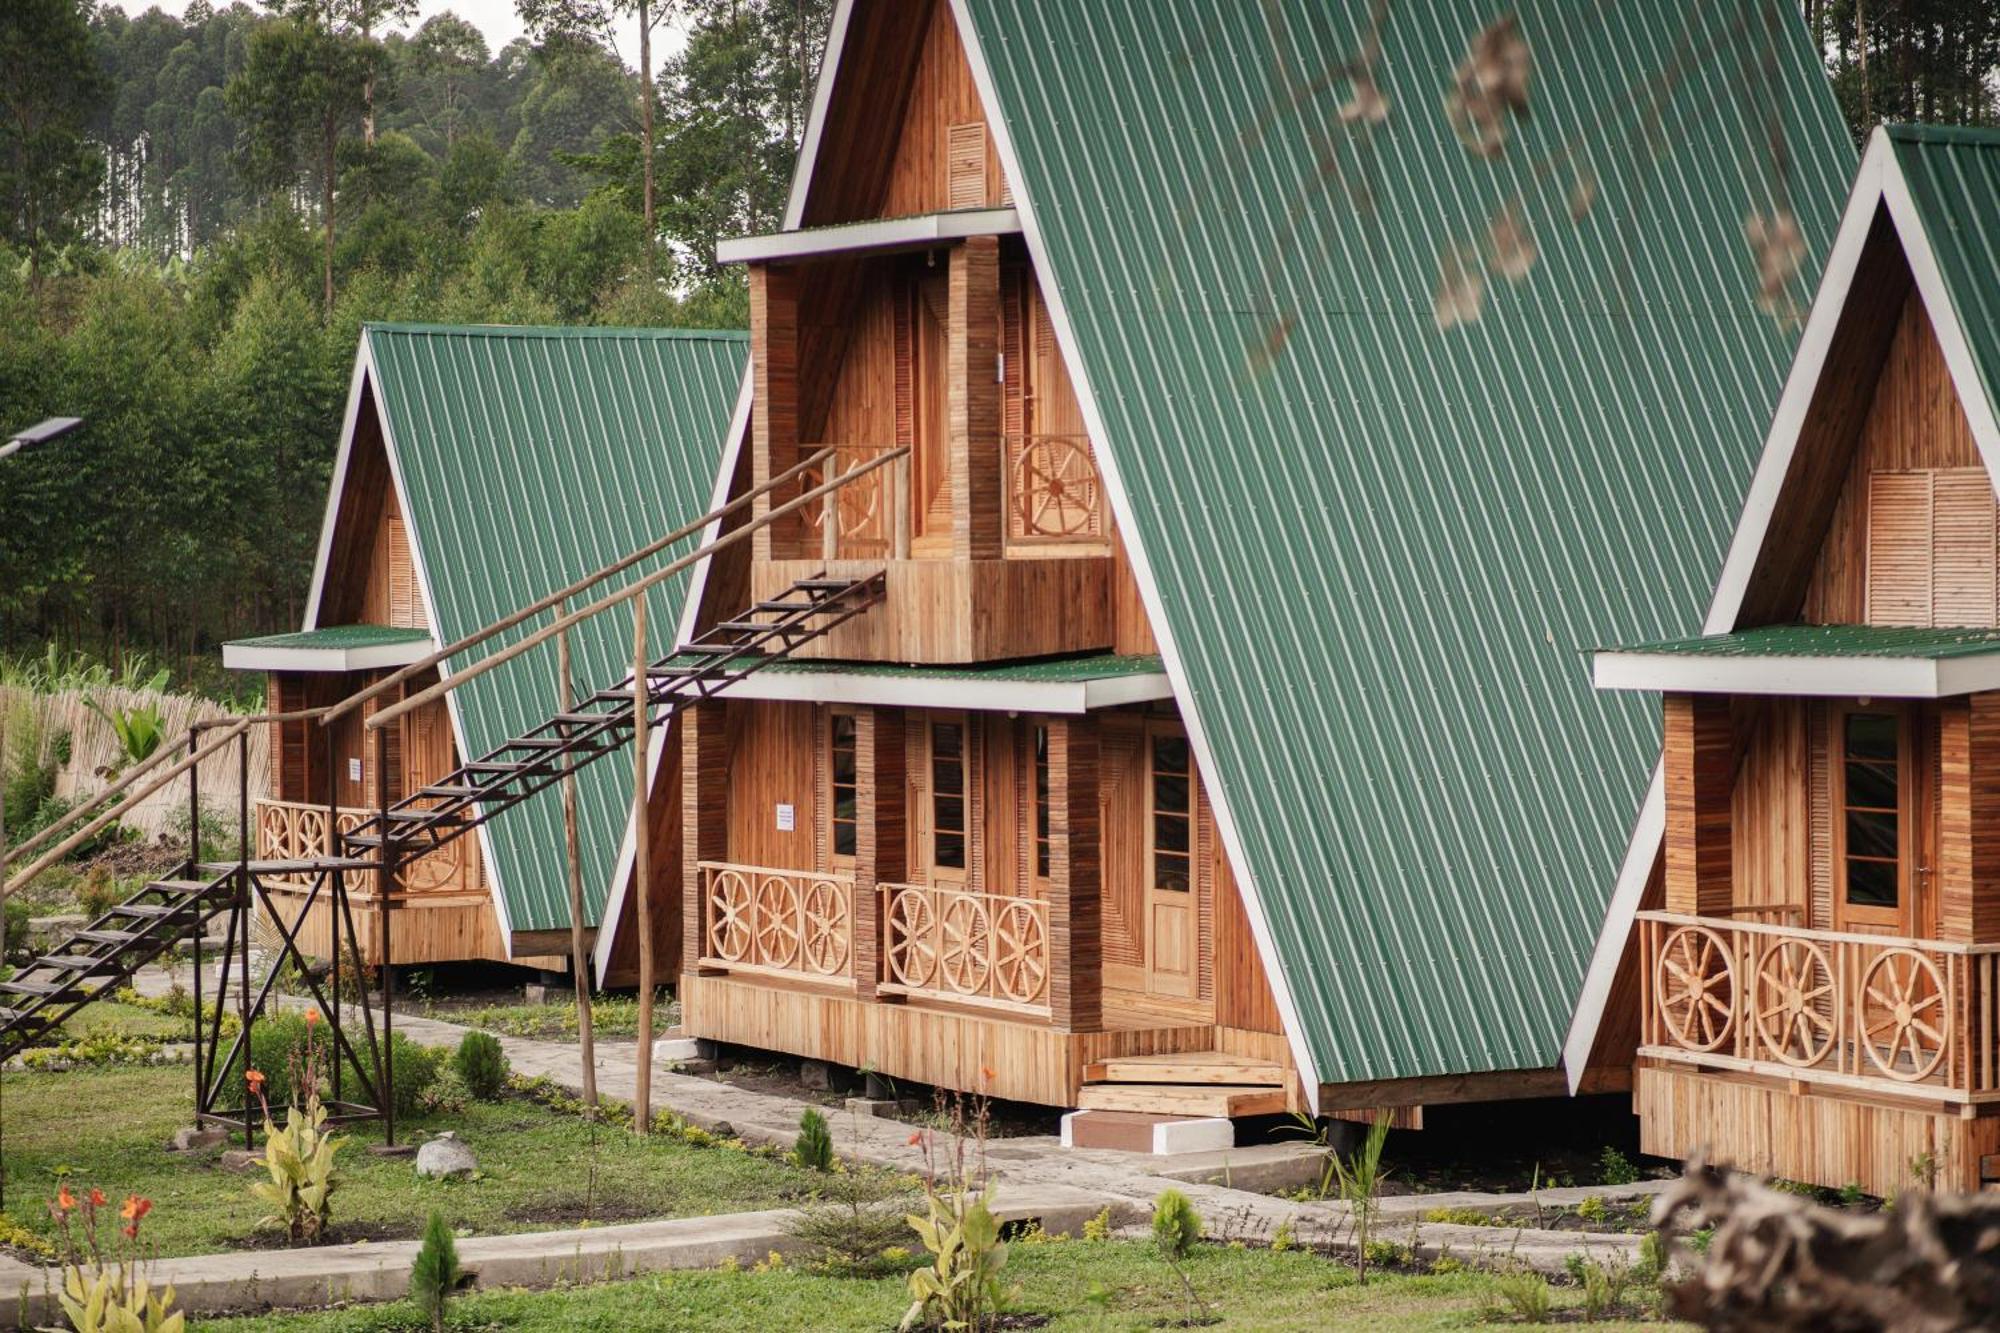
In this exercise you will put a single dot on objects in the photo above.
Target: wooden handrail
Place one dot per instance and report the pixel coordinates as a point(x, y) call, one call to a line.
point(383, 717)
point(1813, 933)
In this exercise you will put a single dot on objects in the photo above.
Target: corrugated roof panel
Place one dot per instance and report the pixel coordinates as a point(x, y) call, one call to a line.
point(1379, 544)
point(532, 457)
point(337, 636)
point(1954, 179)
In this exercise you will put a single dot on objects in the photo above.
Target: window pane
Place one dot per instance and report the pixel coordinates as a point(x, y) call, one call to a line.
point(1170, 833)
point(1871, 883)
point(1871, 736)
point(1871, 834)
point(1170, 754)
point(843, 805)
point(843, 839)
point(843, 767)
point(948, 775)
point(949, 813)
point(1170, 872)
point(946, 739)
point(950, 850)
point(1041, 858)
point(843, 729)
point(1871, 785)
point(1170, 794)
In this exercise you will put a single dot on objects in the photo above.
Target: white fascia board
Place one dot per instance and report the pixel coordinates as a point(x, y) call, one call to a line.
point(829, 66)
point(363, 369)
point(1602, 972)
point(873, 689)
point(621, 873)
point(1819, 677)
point(884, 234)
point(732, 450)
point(250, 657)
point(1142, 569)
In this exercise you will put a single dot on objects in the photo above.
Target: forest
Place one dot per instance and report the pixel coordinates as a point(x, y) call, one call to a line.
point(197, 213)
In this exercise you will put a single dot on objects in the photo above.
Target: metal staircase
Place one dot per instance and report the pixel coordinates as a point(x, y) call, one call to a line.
point(103, 955)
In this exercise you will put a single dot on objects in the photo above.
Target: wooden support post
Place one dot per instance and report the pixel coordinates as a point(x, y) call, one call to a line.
point(1700, 781)
point(704, 816)
point(774, 429)
point(579, 958)
point(973, 331)
point(881, 838)
point(642, 869)
point(1969, 819)
point(1076, 903)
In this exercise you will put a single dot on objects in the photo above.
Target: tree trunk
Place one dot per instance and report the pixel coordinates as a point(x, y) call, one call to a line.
point(1861, 46)
point(579, 961)
point(332, 132)
point(646, 127)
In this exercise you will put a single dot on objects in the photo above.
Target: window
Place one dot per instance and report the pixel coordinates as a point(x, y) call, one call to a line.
point(1041, 800)
point(842, 769)
point(1871, 808)
point(948, 795)
point(1172, 782)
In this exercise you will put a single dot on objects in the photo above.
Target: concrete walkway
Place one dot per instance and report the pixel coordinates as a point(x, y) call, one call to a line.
point(1036, 1175)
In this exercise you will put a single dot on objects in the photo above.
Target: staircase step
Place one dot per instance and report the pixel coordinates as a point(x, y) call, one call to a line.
point(456, 792)
point(74, 962)
point(107, 936)
point(44, 989)
point(152, 911)
point(785, 608)
point(536, 742)
point(1181, 1099)
point(1188, 1067)
point(190, 888)
point(498, 765)
point(295, 867)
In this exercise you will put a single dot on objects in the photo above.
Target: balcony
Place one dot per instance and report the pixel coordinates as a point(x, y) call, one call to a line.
point(982, 950)
point(296, 831)
point(1868, 1013)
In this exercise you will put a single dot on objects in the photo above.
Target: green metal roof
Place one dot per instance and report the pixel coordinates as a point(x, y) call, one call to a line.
point(1954, 180)
point(337, 636)
point(1376, 542)
point(530, 457)
point(1055, 670)
point(1828, 641)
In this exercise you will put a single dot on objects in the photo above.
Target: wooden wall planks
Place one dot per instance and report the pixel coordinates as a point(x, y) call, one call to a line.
point(1700, 771)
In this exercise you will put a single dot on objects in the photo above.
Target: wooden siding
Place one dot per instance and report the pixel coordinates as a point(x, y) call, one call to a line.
point(1699, 776)
point(772, 747)
point(1969, 820)
point(1913, 427)
point(978, 520)
point(942, 113)
point(1243, 998)
point(441, 929)
point(1770, 815)
point(1768, 1129)
point(663, 813)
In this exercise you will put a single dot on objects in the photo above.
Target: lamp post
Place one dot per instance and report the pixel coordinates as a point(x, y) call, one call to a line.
point(43, 432)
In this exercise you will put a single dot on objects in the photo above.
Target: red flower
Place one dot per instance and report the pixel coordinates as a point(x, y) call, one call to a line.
point(914, 1139)
point(135, 1208)
point(312, 1017)
point(97, 1198)
point(255, 1079)
point(64, 1199)
point(131, 1231)
point(986, 1072)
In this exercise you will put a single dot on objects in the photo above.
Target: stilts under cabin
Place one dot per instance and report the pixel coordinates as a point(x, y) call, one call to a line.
point(1810, 916)
point(1142, 790)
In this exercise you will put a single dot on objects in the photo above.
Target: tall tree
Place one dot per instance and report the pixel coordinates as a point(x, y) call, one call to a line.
point(363, 18)
point(1929, 60)
point(445, 52)
point(49, 82)
point(574, 22)
point(303, 82)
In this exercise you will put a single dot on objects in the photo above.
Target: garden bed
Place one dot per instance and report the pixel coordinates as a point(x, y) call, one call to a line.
point(540, 1166)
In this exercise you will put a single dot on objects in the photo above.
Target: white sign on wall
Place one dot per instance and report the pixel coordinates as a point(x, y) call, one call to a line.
point(787, 818)
point(354, 770)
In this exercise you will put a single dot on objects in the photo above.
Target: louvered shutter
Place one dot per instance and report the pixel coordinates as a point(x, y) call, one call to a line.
point(965, 165)
point(1963, 518)
point(1899, 548)
point(402, 578)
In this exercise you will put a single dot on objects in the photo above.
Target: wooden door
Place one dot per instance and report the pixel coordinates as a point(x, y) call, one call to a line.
point(1173, 941)
point(1877, 836)
point(947, 813)
point(930, 465)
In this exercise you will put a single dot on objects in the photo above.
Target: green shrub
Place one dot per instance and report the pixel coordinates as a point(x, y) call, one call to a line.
point(1176, 1231)
point(482, 1065)
point(1524, 1295)
point(277, 1044)
point(98, 893)
point(1616, 1168)
point(814, 1148)
point(1593, 1209)
point(27, 776)
point(1604, 1283)
point(435, 1274)
point(18, 912)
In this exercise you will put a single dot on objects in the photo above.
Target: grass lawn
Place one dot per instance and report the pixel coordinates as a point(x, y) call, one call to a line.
point(610, 1016)
point(109, 1128)
point(1074, 1284)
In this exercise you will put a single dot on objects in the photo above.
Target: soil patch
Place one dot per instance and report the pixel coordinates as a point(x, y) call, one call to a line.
point(340, 1233)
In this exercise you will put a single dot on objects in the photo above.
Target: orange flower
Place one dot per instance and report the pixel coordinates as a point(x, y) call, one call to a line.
point(914, 1139)
point(255, 1078)
point(96, 1198)
point(130, 1230)
point(64, 1199)
point(312, 1017)
point(135, 1208)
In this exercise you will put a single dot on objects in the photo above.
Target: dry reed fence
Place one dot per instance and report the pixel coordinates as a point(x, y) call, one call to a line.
point(93, 746)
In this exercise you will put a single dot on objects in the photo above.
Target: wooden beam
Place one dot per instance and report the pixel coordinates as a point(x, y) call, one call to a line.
point(1502, 1086)
point(881, 838)
point(1700, 778)
point(978, 526)
point(704, 812)
point(1969, 819)
point(1076, 902)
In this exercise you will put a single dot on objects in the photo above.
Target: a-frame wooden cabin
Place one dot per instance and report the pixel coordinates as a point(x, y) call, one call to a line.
point(1217, 748)
point(479, 469)
point(1809, 919)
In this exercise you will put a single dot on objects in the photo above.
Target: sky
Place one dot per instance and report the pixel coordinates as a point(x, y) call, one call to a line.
point(495, 18)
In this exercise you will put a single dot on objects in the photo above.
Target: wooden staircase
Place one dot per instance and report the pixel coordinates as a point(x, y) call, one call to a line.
point(1187, 1083)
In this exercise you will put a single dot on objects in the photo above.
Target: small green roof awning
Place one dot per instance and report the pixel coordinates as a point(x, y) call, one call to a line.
point(1049, 685)
point(336, 648)
point(1873, 661)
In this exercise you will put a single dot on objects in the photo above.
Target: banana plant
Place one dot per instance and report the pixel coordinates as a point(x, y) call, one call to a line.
point(140, 729)
point(300, 1161)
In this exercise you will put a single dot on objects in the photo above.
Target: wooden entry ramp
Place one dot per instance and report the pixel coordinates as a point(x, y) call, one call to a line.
point(1187, 1083)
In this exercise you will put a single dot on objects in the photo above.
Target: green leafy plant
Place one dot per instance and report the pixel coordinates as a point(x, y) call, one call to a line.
point(814, 1147)
point(1176, 1231)
point(1604, 1283)
point(108, 1292)
point(98, 893)
point(482, 1065)
point(961, 1287)
point(856, 1227)
point(1593, 1209)
point(434, 1275)
point(1524, 1295)
point(1284, 1238)
point(1358, 1181)
point(447, 1094)
point(1924, 1170)
point(1458, 1217)
point(1098, 1227)
point(139, 730)
point(1852, 1195)
point(1616, 1167)
point(1652, 1262)
point(300, 1158)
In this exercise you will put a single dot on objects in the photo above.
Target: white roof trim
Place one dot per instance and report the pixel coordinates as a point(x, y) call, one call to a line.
point(1142, 569)
point(266, 657)
point(362, 372)
point(1069, 698)
point(621, 873)
point(829, 63)
point(1599, 977)
point(1879, 181)
point(889, 233)
point(1828, 677)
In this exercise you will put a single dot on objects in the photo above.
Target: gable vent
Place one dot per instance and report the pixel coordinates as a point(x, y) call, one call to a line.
point(965, 165)
point(1932, 557)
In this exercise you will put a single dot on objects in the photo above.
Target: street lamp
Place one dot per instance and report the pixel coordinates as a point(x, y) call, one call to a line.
point(52, 429)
